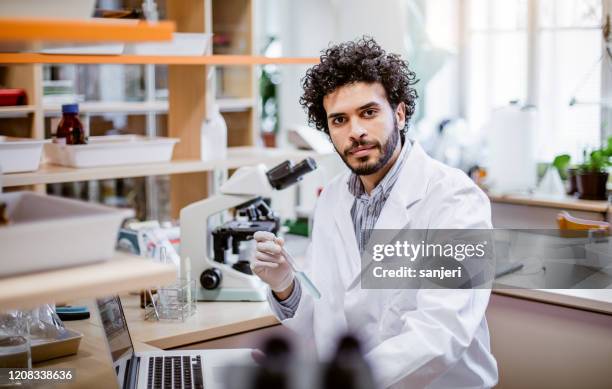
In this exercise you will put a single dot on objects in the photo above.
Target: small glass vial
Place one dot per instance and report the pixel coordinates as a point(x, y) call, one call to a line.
point(70, 130)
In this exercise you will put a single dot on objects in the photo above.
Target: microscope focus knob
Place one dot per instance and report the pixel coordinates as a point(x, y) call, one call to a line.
point(211, 278)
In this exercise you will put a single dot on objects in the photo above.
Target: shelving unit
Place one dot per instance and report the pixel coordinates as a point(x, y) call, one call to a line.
point(120, 274)
point(235, 104)
point(237, 157)
point(127, 107)
point(188, 92)
point(97, 107)
point(16, 111)
point(40, 31)
point(225, 60)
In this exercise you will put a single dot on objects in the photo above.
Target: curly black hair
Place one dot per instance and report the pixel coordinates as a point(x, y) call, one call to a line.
point(362, 60)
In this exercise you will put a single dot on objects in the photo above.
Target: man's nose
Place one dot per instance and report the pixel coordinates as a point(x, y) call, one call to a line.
point(357, 130)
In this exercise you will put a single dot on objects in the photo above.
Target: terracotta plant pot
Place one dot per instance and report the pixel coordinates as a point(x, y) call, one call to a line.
point(269, 139)
point(592, 185)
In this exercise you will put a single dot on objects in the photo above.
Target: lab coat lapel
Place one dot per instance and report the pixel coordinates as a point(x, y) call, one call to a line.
point(407, 192)
point(351, 261)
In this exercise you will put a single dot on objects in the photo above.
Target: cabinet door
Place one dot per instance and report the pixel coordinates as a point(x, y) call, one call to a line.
point(540, 345)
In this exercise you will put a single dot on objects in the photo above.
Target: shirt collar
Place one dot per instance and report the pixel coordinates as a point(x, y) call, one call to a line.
point(355, 186)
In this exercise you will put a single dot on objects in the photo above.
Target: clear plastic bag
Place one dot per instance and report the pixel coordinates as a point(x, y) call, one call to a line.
point(45, 324)
point(14, 341)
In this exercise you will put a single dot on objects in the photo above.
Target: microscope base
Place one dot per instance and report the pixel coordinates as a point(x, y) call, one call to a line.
point(231, 294)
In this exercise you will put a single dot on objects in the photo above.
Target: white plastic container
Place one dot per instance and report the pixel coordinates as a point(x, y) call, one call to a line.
point(91, 49)
point(182, 43)
point(111, 150)
point(213, 136)
point(20, 154)
point(48, 232)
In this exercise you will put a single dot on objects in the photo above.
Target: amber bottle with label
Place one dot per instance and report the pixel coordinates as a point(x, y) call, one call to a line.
point(70, 130)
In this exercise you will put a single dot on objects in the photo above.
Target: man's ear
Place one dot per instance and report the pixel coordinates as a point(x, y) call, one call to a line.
point(400, 115)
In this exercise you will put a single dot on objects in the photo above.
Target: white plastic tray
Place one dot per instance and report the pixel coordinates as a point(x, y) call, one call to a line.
point(182, 43)
point(111, 150)
point(92, 49)
point(20, 154)
point(48, 232)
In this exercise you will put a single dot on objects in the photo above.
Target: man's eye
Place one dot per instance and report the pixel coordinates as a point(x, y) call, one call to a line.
point(369, 112)
point(338, 120)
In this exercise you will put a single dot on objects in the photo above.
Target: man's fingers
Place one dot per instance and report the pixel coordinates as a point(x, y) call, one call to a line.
point(263, 264)
point(268, 257)
point(268, 247)
point(262, 236)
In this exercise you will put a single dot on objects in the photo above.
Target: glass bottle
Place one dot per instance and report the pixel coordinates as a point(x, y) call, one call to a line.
point(70, 130)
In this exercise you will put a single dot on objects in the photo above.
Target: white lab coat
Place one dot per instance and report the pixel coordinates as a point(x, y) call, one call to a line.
point(413, 338)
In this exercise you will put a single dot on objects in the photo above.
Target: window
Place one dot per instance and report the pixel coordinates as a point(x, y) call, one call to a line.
point(542, 52)
point(569, 70)
point(497, 56)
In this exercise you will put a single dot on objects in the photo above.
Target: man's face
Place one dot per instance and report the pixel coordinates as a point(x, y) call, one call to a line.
point(363, 126)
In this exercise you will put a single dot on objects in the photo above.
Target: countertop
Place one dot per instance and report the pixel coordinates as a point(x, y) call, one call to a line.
point(93, 365)
point(550, 201)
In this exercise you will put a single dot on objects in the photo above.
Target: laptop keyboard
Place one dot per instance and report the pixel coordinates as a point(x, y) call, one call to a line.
point(176, 372)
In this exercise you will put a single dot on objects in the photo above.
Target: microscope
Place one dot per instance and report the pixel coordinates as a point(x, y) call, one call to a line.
point(245, 192)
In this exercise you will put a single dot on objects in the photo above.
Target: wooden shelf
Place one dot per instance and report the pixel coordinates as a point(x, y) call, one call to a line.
point(235, 104)
point(120, 274)
point(238, 60)
point(16, 111)
point(136, 107)
point(98, 107)
point(237, 157)
point(90, 30)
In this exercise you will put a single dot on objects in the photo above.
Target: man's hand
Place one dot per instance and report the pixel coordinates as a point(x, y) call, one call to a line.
point(270, 265)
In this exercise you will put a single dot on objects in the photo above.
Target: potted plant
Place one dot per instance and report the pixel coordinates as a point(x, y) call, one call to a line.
point(592, 175)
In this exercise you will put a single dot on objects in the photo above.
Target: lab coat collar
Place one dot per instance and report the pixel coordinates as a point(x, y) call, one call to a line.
point(408, 191)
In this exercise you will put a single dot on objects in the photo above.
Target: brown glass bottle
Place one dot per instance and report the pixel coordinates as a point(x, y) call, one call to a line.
point(70, 129)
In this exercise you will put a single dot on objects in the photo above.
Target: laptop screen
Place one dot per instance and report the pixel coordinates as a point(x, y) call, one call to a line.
point(117, 335)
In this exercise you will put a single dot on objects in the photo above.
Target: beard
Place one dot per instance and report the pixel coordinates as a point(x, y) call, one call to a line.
point(365, 168)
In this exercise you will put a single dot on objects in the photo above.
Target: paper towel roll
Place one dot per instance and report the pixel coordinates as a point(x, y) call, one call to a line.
point(510, 138)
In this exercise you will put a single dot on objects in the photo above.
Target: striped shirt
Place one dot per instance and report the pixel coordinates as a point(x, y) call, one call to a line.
point(365, 212)
point(367, 208)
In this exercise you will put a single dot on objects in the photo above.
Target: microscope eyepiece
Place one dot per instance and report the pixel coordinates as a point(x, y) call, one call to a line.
point(287, 174)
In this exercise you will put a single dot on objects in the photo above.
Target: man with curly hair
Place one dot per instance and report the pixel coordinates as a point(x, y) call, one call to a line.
point(362, 98)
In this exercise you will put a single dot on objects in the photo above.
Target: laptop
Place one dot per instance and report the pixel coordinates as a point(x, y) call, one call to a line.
point(180, 369)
